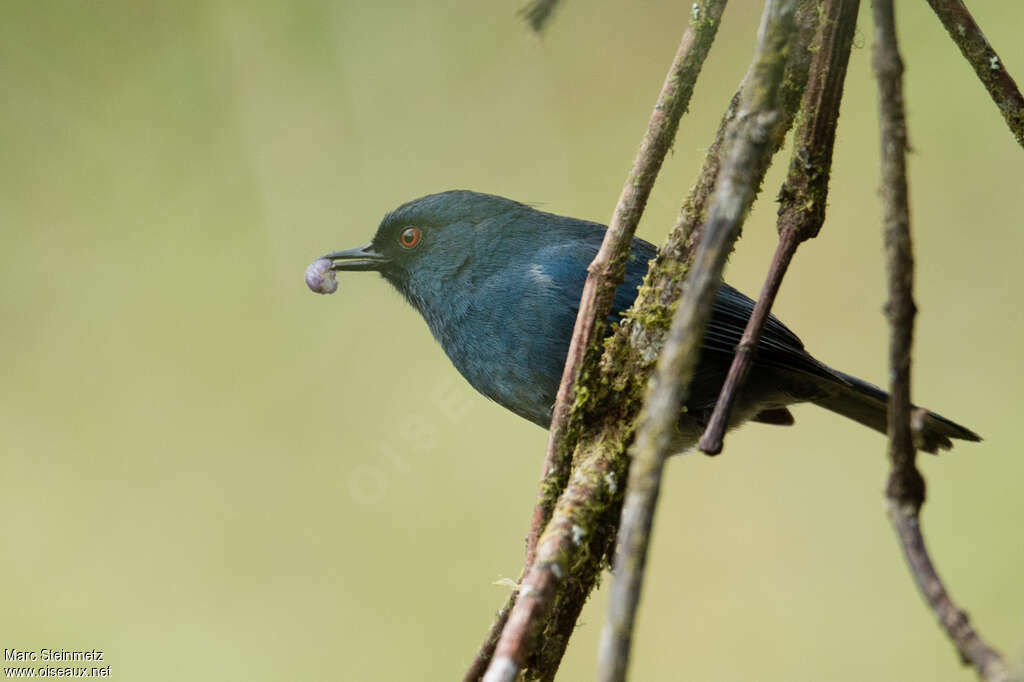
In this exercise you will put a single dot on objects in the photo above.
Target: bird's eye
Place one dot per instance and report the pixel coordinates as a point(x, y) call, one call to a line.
point(410, 237)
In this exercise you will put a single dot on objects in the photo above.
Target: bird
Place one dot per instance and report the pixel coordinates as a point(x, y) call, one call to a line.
point(498, 283)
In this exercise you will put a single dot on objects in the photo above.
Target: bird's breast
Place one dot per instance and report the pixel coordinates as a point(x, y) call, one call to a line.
point(508, 335)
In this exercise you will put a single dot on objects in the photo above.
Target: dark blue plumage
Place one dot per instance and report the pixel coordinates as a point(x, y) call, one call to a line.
point(498, 283)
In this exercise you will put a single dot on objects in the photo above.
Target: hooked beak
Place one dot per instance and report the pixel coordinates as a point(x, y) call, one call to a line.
point(359, 258)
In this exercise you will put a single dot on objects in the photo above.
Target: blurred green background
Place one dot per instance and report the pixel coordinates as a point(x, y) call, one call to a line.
point(211, 473)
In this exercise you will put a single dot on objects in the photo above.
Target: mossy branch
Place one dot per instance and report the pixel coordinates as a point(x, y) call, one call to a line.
point(748, 147)
point(610, 395)
point(612, 386)
point(606, 273)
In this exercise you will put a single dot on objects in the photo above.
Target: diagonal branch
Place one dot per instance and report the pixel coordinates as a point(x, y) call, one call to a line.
point(804, 195)
point(905, 490)
point(990, 69)
point(608, 268)
point(748, 147)
point(607, 272)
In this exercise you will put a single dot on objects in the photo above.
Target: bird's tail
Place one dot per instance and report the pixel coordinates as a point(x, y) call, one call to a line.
point(867, 404)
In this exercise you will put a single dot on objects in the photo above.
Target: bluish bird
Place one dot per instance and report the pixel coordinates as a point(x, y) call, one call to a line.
point(498, 283)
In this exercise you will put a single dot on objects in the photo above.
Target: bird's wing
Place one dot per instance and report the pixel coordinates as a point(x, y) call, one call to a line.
point(778, 345)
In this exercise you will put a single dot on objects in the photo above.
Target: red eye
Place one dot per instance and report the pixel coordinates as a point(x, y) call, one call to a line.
point(410, 237)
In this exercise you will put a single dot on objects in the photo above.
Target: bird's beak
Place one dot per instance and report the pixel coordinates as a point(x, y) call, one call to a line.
point(359, 258)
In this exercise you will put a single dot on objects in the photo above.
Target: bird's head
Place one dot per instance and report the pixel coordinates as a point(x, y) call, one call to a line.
point(428, 240)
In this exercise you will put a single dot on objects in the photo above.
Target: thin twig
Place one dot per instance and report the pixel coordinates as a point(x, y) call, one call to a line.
point(986, 63)
point(973, 650)
point(748, 147)
point(905, 490)
point(804, 195)
point(607, 270)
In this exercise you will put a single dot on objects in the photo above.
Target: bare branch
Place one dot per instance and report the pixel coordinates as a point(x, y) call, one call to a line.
point(906, 483)
point(748, 148)
point(973, 650)
point(991, 70)
point(804, 195)
point(906, 487)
